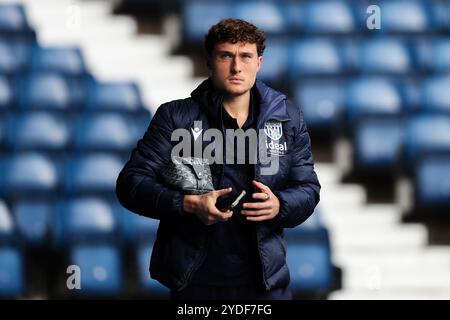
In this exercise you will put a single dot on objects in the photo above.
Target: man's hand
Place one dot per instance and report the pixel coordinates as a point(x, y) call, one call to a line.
point(267, 209)
point(204, 206)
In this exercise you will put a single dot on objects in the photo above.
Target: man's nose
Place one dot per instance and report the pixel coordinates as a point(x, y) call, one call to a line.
point(236, 65)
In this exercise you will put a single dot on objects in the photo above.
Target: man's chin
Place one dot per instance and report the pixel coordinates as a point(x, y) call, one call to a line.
point(236, 90)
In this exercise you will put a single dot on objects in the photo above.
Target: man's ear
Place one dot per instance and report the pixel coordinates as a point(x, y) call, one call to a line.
point(260, 61)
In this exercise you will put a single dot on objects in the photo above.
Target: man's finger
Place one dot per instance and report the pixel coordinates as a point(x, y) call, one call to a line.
point(256, 213)
point(259, 218)
point(256, 205)
point(261, 186)
point(260, 196)
point(222, 192)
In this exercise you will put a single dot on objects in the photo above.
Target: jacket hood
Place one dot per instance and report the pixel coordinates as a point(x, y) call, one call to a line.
point(272, 102)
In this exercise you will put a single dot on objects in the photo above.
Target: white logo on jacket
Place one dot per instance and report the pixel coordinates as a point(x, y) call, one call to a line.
point(274, 130)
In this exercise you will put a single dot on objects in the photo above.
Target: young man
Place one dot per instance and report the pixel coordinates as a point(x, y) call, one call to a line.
point(202, 252)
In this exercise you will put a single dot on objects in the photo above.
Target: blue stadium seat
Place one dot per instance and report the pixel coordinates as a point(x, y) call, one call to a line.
point(435, 95)
point(376, 146)
point(34, 221)
point(146, 283)
point(432, 183)
point(85, 220)
point(440, 59)
point(44, 91)
point(30, 175)
point(199, 16)
point(426, 134)
point(328, 17)
point(93, 173)
point(7, 228)
point(385, 56)
point(65, 60)
point(12, 282)
point(309, 230)
point(101, 270)
point(266, 15)
point(136, 228)
point(108, 132)
point(373, 96)
point(402, 16)
point(321, 103)
point(275, 61)
point(13, 19)
point(114, 96)
point(315, 57)
point(38, 131)
point(6, 93)
point(310, 267)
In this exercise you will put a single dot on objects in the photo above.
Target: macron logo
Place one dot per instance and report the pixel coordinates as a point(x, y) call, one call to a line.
point(196, 132)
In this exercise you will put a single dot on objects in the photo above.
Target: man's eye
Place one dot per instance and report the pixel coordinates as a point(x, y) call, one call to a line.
point(225, 55)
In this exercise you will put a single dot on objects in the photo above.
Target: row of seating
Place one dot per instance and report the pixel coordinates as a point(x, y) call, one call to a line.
point(333, 57)
point(315, 17)
point(329, 104)
point(46, 131)
point(50, 91)
point(95, 230)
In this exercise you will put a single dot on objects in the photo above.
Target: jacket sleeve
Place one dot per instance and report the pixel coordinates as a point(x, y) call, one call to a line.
point(298, 200)
point(137, 187)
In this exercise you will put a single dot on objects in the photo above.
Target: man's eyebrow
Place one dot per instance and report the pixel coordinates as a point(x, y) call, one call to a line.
point(232, 53)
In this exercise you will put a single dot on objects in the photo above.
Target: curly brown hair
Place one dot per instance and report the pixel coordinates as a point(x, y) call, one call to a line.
point(234, 30)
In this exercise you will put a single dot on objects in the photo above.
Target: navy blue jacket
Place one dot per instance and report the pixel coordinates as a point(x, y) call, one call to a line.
point(179, 248)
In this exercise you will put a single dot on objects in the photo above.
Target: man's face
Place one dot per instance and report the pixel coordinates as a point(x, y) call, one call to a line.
point(234, 66)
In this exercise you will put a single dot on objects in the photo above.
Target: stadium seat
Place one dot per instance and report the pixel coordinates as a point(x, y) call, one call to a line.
point(34, 221)
point(108, 132)
point(432, 183)
point(92, 173)
point(7, 229)
point(425, 134)
point(321, 103)
point(39, 131)
point(13, 19)
point(328, 17)
point(6, 93)
point(377, 143)
point(84, 220)
point(311, 229)
point(136, 228)
point(199, 16)
point(12, 282)
point(435, 95)
point(440, 59)
point(30, 175)
point(45, 91)
point(146, 283)
point(267, 15)
point(275, 62)
point(310, 267)
point(385, 56)
point(372, 96)
point(401, 16)
point(114, 96)
point(315, 57)
point(63, 60)
point(101, 270)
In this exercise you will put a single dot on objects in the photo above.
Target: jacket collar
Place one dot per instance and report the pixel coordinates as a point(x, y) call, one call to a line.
point(272, 103)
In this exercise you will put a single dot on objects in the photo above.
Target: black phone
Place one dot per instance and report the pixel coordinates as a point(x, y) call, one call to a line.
point(234, 203)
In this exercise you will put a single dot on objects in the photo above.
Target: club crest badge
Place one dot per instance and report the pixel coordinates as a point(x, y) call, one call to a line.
point(273, 130)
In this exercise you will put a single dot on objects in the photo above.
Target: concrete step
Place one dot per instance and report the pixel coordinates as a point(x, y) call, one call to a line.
point(406, 294)
point(393, 238)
